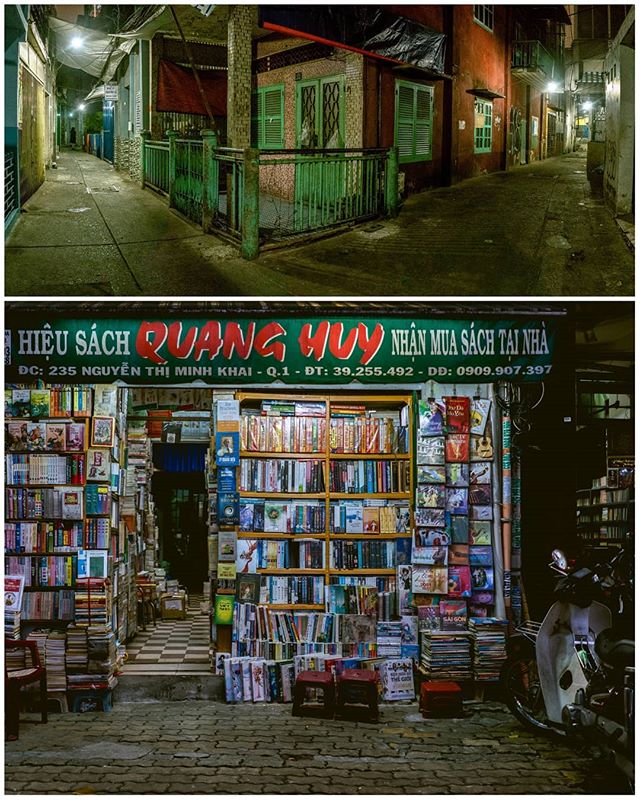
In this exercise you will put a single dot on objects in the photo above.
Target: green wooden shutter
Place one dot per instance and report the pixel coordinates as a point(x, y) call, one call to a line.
point(414, 121)
point(404, 121)
point(273, 117)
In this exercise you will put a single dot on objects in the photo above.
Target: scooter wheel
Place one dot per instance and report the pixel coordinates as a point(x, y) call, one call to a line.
point(521, 685)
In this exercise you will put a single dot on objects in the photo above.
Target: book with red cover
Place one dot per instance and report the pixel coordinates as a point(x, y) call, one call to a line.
point(459, 581)
point(457, 447)
point(458, 414)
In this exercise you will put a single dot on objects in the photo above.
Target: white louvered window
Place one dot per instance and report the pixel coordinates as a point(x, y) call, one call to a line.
point(267, 118)
point(414, 121)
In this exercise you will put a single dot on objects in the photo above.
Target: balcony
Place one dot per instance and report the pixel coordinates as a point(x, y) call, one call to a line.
point(533, 64)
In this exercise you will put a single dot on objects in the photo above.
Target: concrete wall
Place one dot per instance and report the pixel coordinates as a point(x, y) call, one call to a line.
point(619, 144)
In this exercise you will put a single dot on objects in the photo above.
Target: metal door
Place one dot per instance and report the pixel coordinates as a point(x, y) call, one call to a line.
point(32, 134)
point(107, 123)
point(551, 134)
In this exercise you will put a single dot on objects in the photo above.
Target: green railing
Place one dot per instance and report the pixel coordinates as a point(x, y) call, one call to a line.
point(532, 55)
point(260, 196)
point(188, 180)
point(156, 165)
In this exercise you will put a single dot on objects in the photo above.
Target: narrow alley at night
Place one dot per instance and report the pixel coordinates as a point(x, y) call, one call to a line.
point(272, 150)
point(539, 230)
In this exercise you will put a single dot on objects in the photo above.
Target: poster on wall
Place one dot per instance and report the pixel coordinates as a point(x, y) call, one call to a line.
point(290, 350)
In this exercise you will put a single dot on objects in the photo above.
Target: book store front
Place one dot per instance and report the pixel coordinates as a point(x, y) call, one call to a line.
point(254, 492)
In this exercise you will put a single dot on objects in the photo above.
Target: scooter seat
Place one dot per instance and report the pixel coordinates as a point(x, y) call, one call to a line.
point(615, 651)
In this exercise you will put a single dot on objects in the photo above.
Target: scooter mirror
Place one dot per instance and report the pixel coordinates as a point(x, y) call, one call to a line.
point(559, 559)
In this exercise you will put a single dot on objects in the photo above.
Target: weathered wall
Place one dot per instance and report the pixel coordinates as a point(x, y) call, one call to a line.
point(620, 125)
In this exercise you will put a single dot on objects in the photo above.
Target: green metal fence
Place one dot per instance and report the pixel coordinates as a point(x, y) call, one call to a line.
point(156, 165)
point(188, 181)
point(228, 190)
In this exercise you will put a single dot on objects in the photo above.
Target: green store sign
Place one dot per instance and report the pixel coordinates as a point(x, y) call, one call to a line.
point(262, 350)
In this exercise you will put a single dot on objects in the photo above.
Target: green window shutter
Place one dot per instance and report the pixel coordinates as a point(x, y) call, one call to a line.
point(273, 117)
point(414, 121)
point(483, 126)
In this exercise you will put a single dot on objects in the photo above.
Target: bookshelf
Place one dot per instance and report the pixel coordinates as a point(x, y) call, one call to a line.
point(605, 514)
point(310, 464)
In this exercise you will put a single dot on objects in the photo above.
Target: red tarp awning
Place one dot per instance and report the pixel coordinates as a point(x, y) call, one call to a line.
point(178, 90)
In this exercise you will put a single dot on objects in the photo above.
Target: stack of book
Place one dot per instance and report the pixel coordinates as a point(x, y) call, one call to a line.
point(389, 639)
point(55, 661)
point(77, 653)
point(489, 647)
point(12, 625)
point(446, 655)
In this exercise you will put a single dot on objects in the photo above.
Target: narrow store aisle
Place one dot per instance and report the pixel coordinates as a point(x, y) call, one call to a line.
point(173, 646)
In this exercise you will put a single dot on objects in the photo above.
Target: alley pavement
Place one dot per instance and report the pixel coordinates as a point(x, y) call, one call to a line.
point(534, 231)
point(196, 747)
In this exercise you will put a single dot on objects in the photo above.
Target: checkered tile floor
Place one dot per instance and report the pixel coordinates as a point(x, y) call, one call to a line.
point(176, 641)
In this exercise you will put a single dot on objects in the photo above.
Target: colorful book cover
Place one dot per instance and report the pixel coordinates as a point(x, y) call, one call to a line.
point(459, 555)
point(429, 517)
point(481, 448)
point(228, 508)
point(479, 532)
point(337, 599)
point(480, 473)
point(482, 597)
point(387, 519)
point(430, 450)
point(17, 436)
point(21, 405)
point(457, 447)
point(431, 417)
point(429, 617)
point(276, 517)
point(248, 589)
point(9, 409)
point(248, 555)
point(72, 503)
point(227, 479)
point(354, 517)
point(430, 495)
point(228, 448)
point(431, 474)
point(403, 550)
point(371, 519)
point(432, 556)
point(404, 577)
point(358, 629)
point(397, 679)
point(98, 465)
point(457, 474)
point(480, 495)
point(429, 580)
point(459, 581)
point(105, 402)
point(56, 436)
point(457, 414)
point(457, 501)
point(246, 516)
point(454, 615)
point(481, 578)
point(223, 609)
point(13, 591)
point(36, 435)
point(480, 410)
point(482, 513)
point(457, 526)
point(75, 436)
point(481, 556)
point(40, 403)
point(431, 537)
point(403, 518)
point(227, 545)
point(226, 570)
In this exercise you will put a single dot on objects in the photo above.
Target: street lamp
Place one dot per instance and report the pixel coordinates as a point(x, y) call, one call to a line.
point(588, 105)
point(81, 107)
point(552, 87)
point(76, 43)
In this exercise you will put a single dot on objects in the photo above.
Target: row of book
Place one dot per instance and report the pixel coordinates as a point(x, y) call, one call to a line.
point(257, 680)
point(455, 554)
point(305, 554)
point(49, 605)
point(93, 602)
point(291, 516)
point(281, 475)
point(369, 476)
point(98, 499)
point(455, 474)
point(37, 436)
point(43, 570)
point(43, 537)
point(63, 502)
point(363, 554)
point(455, 448)
point(437, 416)
point(455, 499)
point(295, 589)
point(371, 435)
point(59, 401)
point(456, 581)
point(283, 434)
point(457, 529)
point(51, 647)
point(369, 516)
point(35, 468)
point(297, 408)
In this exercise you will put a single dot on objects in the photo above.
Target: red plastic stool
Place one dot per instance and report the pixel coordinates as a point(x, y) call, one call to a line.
point(440, 699)
point(320, 682)
point(358, 694)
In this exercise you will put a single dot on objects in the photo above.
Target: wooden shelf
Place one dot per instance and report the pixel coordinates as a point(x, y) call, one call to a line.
point(294, 606)
point(369, 456)
point(45, 452)
point(41, 519)
point(283, 536)
point(284, 495)
point(47, 552)
point(371, 495)
point(382, 536)
point(291, 571)
point(315, 456)
point(43, 485)
point(50, 588)
point(389, 571)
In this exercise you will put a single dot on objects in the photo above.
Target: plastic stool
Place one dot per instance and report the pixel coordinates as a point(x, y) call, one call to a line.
point(441, 699)
point(358, 694)
point(59, 697)
point(320, 681)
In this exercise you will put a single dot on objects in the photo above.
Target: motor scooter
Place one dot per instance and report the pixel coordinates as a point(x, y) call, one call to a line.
point(573, 673)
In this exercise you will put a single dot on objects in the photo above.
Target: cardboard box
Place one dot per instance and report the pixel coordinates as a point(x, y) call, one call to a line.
point(173, 606)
